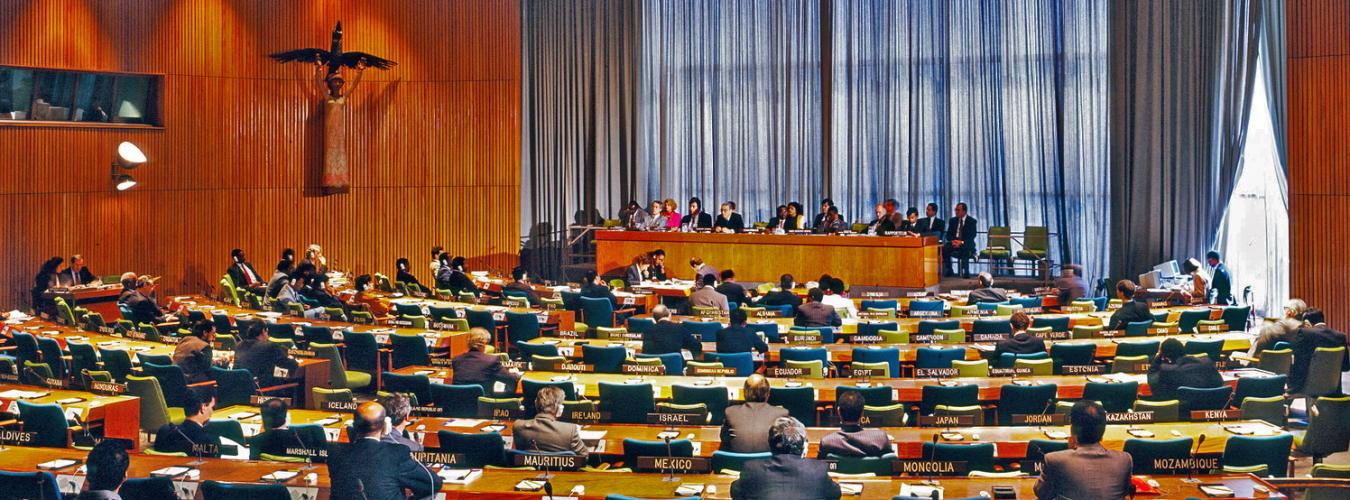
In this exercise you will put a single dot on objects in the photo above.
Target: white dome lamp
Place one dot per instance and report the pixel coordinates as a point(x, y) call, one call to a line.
point(128, 157)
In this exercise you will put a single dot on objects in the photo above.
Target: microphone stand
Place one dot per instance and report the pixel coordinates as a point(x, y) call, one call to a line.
point(670, 478)
point(1190, 471)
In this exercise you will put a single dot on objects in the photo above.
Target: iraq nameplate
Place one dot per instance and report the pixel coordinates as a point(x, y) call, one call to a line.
point(498, 413)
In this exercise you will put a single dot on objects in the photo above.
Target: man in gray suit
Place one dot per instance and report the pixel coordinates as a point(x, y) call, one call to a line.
point(787, 474)
point(746, 427)
point(544, 432)
point(708, 296)
point(815, 313)
point(1086, 470)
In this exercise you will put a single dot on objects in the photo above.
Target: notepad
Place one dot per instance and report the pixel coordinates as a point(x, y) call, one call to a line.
point(171, 471)
point(689, 489)
point(464, 422)
point(59, 463)
point(1141, 433)
point(459, 476)
point(1217, 490)
point(66, 401)
point(281, 475)
point(241, 415)
point(592, 435)
point(529, 485)
point(850, 488)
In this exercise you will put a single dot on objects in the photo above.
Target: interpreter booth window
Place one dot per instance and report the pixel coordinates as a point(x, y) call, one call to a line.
point(73, 97)
point(1254, 235)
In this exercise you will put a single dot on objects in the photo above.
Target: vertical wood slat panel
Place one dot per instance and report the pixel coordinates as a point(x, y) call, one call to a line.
point(1319, 154)
point(433, 144)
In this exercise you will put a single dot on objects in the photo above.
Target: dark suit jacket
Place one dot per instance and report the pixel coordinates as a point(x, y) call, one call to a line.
point(734, 291)
point(704, 220)
point(1130, 312)
point(632, 275)
point(1222, 285)
point(783, 477)
point(144, 309)
point(746, 427)
point(990, 294)
point(880, 226)
point(261, 358)
point(546, 434)
point(1088, 471)
point(455, 281)
point(816, 314)
point(396, 436)
point(368, 469)
point(516, 286)
point(1165, 377)
point(932, 225)
point(739, 339)
point(667, 337)
point(80, 277)
point(736, 223)
point(967, 230)
point(188, 437)
point(855, 441)
point(239, 277)
point(278, 441)
point(658, 273)
point(781, 297)
point(1306, 342)
point(1019, 343)
point(477, 367)
point(406, 277)
point(600, 292)
point(708, 297)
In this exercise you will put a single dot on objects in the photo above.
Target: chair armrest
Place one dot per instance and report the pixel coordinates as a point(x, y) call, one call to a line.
point(279, 387)
point(629, 310)
point(208, 383)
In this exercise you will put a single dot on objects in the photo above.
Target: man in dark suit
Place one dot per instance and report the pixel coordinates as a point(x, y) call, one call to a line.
point(1086, 470)
point(960, 241)
point(738, 338)
point(932, 224)
point(1132, 311)
point(1306, 342)
point(1172, 368)
point(268, 361)
point(243, 274)
point(734, 291)
point(1221, 283)
point(143, 308)
point(76, 273)
point(544, 433)
point(782, 295)
point(746, 426)
point(696, 218)
point(107, 465)
point(667, 336)
point(1070, 284)
point(595, 288)
point(1020, 342)
point(852, 440)
point(986, 292)
point(369, 469)
point(191, 436)
point(398, 407)
point(480, 368)
point(277, 437)
point(787, 474)
point(519, 286)
point(814, 313)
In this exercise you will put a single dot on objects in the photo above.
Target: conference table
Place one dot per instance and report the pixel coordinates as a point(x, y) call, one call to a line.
point(859, 260)
point(97, 298)
point(118, 415)
point(501, 483)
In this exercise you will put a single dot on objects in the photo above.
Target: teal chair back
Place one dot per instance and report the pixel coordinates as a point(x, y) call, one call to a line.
point(40, 485)
point(1146, 451)
point(1211, 348)
point(233, 387)
point(1072, 354)
point(419, 386)
point(171, 381)
point(1211, 398)
point(800, 402)
point(215, 490)
point(363, 354)
point(1114, 397)
point(743, 362)
point(627, 403)
point(596, 312)
point(956, 395)
point(705, 331)
point(726, 460)
point(1138, 328)
point(977, 456)
point(713, 397)
point(48, 421)
point(479, 449)
point(409, 350)
point(117, 362)
point(521, 327)
point(1236, 317)
point(1191, 317)
point(1055, 323)
point(928, 326)
point(1271, 451)
point(888, 355)
point(53, 356)
point(607, 359)
point(938, 357)
point(1025, 400)
point(459, 401)
point(1138, 348)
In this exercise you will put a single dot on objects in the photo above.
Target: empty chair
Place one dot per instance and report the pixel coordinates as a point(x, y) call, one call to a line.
point(215, 490)
point(743, 362)
point(977, 456)
point(872, 396)
point(1146, 451)
point(1163, 411)
point(1258, 387)
point(339, 376)
point(627, 403)
point(1269, 451)
point(956, 395)
point(634, 448)
point(893, 304)
point(730, 461)
point(1327, 429)
point(1039, 367)
point(810, 354)
point(1138, 328)
point(171, 381)
point(1191, 317)
point(991, 325)
point(890, 356)
point(1072, 354)
point(154, 411)
point(1272, 409)
point(1195, 399)
point(417, 386)
point(800, 402)
point(607, 359)
point(976, 368)
point(714, 398)
point(1328, 471)
point(935, 357)
point(1211, 348)
point(41, 485)
point(876, 328)
point(1138, 348)
point(456, 401)
point(52, 356)
point(1236, 317)
point(1114, 397)
point(146, 488)
point(705, 331)
point(47, 421)
point(600, 312)
point(1025, 400)
point(928, 326)
point(409, 350)
point(1276, 361)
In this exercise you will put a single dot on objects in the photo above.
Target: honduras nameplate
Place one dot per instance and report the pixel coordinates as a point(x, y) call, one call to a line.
point(107, 387)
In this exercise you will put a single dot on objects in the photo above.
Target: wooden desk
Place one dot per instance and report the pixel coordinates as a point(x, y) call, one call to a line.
point(100, 299)
point(120, 416)
point(499, 483)
point(858, 260)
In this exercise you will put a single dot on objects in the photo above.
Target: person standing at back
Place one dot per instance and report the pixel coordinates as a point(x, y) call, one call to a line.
point(1221, 285)
point(1086, 469)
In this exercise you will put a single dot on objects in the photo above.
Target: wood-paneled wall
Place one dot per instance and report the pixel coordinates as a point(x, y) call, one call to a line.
point(433, 145)
point(1319, 154)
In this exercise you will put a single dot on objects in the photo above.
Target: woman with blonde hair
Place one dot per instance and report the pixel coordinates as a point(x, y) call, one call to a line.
point(671, 213)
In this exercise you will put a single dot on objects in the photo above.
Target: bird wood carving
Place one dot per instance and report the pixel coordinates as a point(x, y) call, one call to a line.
point(328, 63)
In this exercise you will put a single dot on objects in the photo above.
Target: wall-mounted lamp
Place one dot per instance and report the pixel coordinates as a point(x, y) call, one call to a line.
point(128, 157)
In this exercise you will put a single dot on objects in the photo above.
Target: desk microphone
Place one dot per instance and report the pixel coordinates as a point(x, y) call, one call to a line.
point(933, 455)
point(308, 460)
point(1190, 471)
point(548, 485)
point(1048, 403)
point(361, 488)
point(670, 455)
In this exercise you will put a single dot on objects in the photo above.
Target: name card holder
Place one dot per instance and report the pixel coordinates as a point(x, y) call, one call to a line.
point(1040, 419)
point(785, 372)
point(259, 399)
point(685, 419)
point(1130, 417)
point(680, 464)
point(431, 457)
point(936, 372)
point(701, 371)
point(1009, 372)
point(1083, 369)
point(632, 369)
point(549, 462)
point(946, 421)
point(929, 467)
point(339, 406)
point(1215, 415)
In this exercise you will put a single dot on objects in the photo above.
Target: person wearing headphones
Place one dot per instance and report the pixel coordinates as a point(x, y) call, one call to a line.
point(369, 469)
point(402, 273)
point(243, 274)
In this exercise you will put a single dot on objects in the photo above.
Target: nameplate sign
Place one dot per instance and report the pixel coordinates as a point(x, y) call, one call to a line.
point(873, 314)
point(442, 361)
point(106, 330)
point(446, 327)
point(865, 339)
point(301, 353)
point(569, 334)
point(1032, 467)
point(987, 337)
point(107, 387)
point(936, 372)
point(427, 411)
point(212, 450)
point(1083, 369)
point(1166, 330)
point(1032, 310)
point(785, 372)
point(709, 313)
point(1040, 419)
point(927, 338)
point(1108, 334)
point(170, 340)
point(20, 438)
point(134, 334)
point(1215, 415)
point(643, 369)
point(54, 383)
point(875, 295)
point(585, 417)
point(1130, 417)
point(1052, 335)
point(549, 462)
point(259, 399)
point(1045, 290)
point(498, 413)
point(307, 452)
point(712, 371)
point(1079, 309)
point(431, 457)
point(929, 467)
point(574, 367)
point(1188, 465)
point(1009, 372)
point(1138, 367)
point(1112, 306)
point(517, 365)
point(867, 372)
point(627, 335)
point(343, 406)
point(925, 314)
point(1211, 328)
point(675, 419)
point(9, 377)
point(399, 322)
point(768, 314)
point(916, 295)
point(628, 301)
point(946, 421)
point(682, 464)
point(801, 339)
point(983, 312)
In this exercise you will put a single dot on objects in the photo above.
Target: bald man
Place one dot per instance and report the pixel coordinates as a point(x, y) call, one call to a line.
point(746, 428)
point(369, 469)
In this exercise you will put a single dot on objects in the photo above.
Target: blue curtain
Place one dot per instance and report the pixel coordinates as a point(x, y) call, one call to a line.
point(729, 102)
point(1001, 105)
